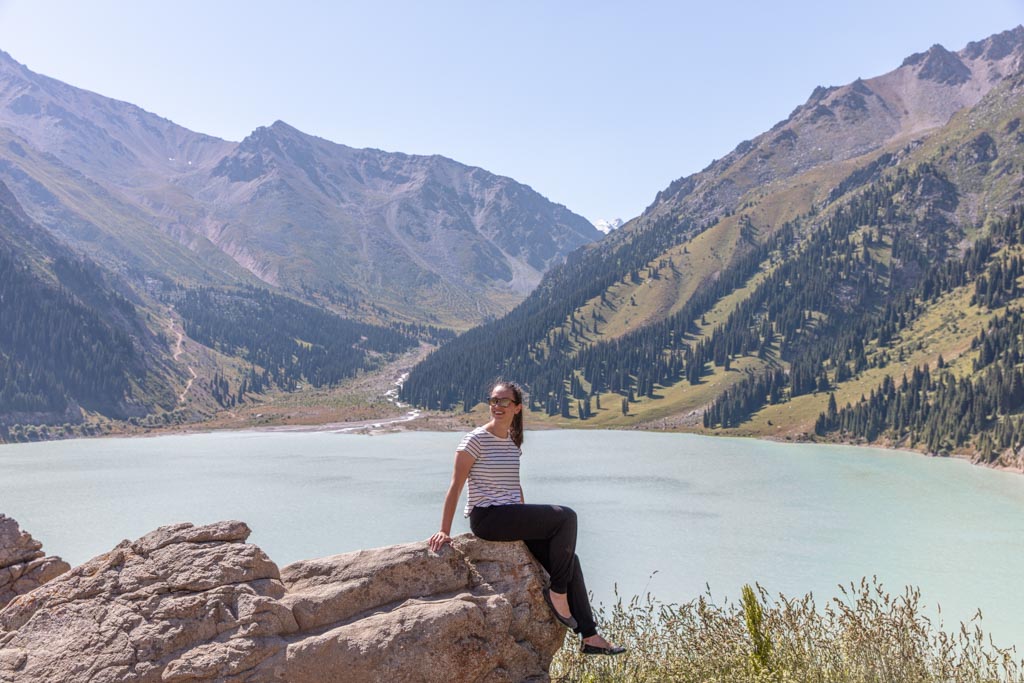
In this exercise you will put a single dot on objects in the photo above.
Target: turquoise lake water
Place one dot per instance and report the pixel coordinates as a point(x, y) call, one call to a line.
point(664, 513)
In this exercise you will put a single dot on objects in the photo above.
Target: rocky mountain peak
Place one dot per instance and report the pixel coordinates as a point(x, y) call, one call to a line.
point(267, 148)
point(819, 93)
point(940, 65)
point(842, 122)
point(10, 68)
point(995, 47)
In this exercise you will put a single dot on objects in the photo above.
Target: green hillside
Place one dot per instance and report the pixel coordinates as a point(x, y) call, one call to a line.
point(70, 343)
point(818, 288)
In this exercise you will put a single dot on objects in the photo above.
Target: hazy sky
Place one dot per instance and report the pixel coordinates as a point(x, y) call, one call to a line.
point(596, 105)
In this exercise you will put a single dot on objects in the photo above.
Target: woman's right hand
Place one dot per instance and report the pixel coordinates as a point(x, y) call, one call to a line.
point(439, 540)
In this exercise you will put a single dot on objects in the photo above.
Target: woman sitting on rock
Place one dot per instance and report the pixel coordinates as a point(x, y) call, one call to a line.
point(488, 457)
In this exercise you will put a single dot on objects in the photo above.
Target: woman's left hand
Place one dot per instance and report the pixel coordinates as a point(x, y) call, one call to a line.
point(439, 540)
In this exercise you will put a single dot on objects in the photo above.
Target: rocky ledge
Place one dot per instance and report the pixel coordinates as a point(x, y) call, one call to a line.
point(23, 566)
point(188, 603)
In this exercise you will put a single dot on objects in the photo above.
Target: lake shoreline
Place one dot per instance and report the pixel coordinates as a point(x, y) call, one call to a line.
point(455, 423)
point(437, 421)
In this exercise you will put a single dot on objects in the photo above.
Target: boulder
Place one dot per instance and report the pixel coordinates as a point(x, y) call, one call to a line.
point(182, 603)
point(473, 612)
point(23, 566)
point(187, 603)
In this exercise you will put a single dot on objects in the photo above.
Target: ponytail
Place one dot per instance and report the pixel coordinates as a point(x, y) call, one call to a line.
point(515, 431)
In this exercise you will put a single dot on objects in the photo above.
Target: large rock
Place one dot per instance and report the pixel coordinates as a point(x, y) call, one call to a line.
point(182, 603)
point(187, 603)
point(474, 612)
point(23, 566)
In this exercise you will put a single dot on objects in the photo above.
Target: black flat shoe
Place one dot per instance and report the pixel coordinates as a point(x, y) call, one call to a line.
point(568, 622)
point(598, 650)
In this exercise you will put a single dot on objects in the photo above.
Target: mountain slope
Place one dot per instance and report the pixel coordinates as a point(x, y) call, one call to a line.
point(410, 233)
point(78, 349)
point(95, 172)
point(68, 340)
point(748, 292)
point(376, 234)
point(842, 123)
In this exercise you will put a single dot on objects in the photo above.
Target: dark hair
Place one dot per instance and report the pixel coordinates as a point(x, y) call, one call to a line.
point(515, 432)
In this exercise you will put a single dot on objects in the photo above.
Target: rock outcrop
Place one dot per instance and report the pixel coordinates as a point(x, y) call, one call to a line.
point(187, 603)
point(23, 565)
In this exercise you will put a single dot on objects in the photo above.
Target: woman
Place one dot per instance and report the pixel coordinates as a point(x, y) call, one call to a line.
point(488, 457)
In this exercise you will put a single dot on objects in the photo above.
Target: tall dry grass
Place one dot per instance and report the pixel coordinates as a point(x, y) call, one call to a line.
point(865, 635)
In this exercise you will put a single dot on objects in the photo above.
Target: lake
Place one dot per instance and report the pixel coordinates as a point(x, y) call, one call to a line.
point(664, 513)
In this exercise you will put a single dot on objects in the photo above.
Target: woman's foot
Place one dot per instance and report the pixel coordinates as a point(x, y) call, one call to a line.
point(560, 601)
point(597, 645)
point(559, 604)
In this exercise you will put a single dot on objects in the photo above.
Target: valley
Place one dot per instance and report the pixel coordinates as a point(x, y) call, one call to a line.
point(785, 291)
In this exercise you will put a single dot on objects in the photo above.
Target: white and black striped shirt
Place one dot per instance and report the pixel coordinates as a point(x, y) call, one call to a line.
point(494, 477)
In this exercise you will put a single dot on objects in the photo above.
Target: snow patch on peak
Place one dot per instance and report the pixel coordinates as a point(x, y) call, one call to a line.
point(607, 226)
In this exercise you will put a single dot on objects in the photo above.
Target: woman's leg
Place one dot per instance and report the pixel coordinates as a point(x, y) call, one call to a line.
point(554, 524)
point(579, 600)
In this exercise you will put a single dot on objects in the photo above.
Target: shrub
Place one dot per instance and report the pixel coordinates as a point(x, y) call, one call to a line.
point(865, 635)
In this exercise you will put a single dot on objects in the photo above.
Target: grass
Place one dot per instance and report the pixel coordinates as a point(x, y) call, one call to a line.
point(945, 329)
point(866, 635)
point(629, 305)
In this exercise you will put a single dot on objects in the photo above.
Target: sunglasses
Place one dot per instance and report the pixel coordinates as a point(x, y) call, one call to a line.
point(501, 402)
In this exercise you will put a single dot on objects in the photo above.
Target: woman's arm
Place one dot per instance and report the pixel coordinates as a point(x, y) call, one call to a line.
point(522, 498)
point(463, 463)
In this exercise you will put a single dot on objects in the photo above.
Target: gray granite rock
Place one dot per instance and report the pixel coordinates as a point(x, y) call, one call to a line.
point(187, 603)
point(23, 566)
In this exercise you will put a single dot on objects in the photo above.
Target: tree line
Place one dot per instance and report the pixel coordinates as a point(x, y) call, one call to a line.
point(822, 299)
point(55, 349)
point(288, 341)
point(946, 413)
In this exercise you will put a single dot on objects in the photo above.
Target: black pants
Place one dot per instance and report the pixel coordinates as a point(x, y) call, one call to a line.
point(549, 531)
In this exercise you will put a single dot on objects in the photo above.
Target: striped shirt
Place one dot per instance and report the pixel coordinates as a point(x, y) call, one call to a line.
point(494, 477)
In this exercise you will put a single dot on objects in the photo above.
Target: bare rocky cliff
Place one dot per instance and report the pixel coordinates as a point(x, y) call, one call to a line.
point(188, 603)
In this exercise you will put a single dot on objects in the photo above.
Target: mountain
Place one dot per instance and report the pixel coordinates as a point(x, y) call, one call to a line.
point(78, 348)
point(413, 234)
point(101, 175)
point(379, 235)
point(838, 124)
point(872, 232)
point(153, 275)
point(68, 339)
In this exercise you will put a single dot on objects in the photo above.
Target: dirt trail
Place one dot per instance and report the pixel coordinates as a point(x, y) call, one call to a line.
point(179, 347)
point(188, 385)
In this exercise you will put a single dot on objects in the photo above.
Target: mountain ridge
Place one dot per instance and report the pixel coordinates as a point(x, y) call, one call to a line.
point(671, 315)
point(171, 206)
point(916, 108)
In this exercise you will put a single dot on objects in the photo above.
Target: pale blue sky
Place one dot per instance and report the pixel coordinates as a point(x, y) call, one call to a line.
point(597, 105)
